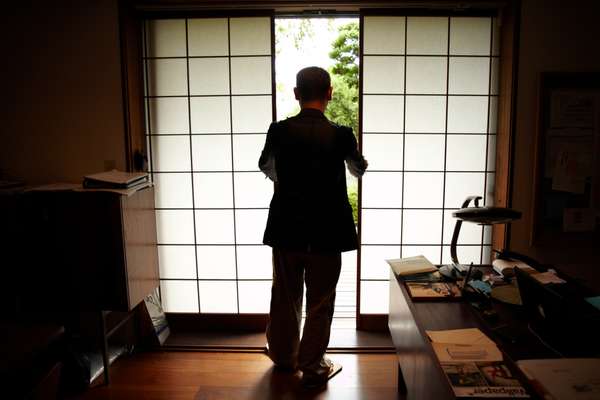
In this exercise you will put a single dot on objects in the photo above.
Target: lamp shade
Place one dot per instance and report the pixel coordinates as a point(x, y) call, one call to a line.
point(486, 215)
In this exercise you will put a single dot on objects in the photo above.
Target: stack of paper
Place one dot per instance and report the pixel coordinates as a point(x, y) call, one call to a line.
point(411, 265)
point(464, 345)
point(114, 179)
point(473, 364)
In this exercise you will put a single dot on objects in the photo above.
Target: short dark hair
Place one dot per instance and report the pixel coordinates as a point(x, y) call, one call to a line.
point(312, 83)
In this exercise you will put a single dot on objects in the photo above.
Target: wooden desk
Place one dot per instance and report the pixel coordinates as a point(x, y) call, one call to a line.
point(420, 375)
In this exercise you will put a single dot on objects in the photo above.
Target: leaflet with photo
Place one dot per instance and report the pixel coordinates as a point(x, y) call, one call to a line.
point(483, 379)
point(433, 290)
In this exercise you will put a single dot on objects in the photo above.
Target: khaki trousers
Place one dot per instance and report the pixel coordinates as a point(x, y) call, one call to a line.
point(320, 272)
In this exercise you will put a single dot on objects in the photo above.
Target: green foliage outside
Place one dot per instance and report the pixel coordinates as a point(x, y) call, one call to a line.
point(343, 107)
point(353, 199)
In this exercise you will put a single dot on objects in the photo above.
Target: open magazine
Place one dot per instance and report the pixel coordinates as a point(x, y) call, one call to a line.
point(483, 379)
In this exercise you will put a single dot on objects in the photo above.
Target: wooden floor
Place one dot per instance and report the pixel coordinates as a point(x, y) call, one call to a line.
point(238, 376)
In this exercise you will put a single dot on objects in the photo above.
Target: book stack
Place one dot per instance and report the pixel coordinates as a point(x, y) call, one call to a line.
point(423, 280)
point(115, 180)
point(474, 365)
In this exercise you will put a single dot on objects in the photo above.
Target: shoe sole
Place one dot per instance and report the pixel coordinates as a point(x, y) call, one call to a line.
point(335, 369)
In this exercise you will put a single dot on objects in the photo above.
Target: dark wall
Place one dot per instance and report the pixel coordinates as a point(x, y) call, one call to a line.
point(556, 35)
point(61, 99)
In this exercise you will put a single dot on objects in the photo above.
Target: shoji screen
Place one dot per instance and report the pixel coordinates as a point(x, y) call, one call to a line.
point(429, 97)
point(208, 106)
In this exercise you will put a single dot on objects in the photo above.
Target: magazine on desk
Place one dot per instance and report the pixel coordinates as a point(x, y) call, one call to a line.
point(433, 290)
point(483, 379)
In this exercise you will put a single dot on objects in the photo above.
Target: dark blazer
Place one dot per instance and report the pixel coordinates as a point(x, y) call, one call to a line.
point(304, 155)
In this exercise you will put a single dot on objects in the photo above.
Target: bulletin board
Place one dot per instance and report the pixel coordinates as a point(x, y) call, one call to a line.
point(566, 201)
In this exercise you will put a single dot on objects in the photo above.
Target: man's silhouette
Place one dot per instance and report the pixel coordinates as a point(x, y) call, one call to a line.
point(310, 223)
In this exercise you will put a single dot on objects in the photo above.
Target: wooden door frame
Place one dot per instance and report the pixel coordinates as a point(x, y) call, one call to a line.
point(131, 14)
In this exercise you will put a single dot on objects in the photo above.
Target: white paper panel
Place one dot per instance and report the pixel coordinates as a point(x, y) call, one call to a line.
point(165, 38)
point(422, 226)
point(177, 262)
point(383, 74)
point(487, 255)
point(493, 119)
point(426, 75)
point(495, 78)
point(210, 115)
point(175, 226)
point(469, 75)
point(384, 152)
point(173, 190)
point(255, 296)
point(209, 76)
point(218, 297)
point(383, 35)
point(490, 188)
point(250, 36)
point(169, 115)
point(487, 234)
point(432, 253)
point(466, 153)
point(251, 114)
point(381, 226)
point(461, 185)
point(427, 35)
point(179, 296)
point(167, 77)
point(467, 114)
point(382, 189)
point(171, 153)
point(214, 227)
point(496, 38)
point(383, 113)
point(491, 160)
point(469, 233)
point(465, 254)
point(374, 297)
point(426, 114)
point(250, 75)
point(373, 264)
point(207, 37)
point(252, 189)
point(150, 166)
point(246, 151)
point(424, 153)
point(216, 262)
point(470, 36)
point(423, 189)
point(211, 152)
point(250, 226)
point(254, 262)
point(213, 190)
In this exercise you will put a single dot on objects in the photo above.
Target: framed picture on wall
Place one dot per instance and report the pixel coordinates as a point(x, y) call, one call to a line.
point(566, 201)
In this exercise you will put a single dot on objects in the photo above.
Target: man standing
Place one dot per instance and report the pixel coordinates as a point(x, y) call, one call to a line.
point(310, 223)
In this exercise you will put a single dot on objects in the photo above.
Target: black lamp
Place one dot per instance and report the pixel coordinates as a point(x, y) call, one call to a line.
point(480, 216)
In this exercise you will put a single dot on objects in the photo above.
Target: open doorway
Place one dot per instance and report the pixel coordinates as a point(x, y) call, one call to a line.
point(333, 44)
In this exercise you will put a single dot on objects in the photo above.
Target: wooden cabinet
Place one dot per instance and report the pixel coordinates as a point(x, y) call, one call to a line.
point(90, 250)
